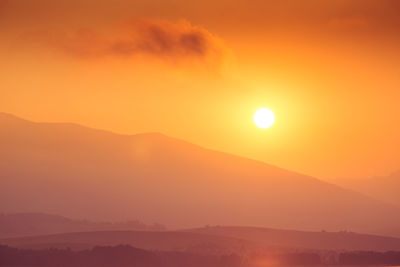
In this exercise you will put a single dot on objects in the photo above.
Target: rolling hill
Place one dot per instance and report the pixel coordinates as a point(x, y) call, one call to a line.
point(213, 240)
point(151, 240)
point(85, 173)
point(307, 240)
point(34, 224)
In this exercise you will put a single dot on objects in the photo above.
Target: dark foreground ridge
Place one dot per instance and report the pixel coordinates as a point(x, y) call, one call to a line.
point(124, 255)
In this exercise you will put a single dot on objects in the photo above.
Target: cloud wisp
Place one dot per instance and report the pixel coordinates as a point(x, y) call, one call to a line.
point(157, 38)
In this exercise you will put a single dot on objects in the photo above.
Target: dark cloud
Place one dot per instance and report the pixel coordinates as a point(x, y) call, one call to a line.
point(152, 37)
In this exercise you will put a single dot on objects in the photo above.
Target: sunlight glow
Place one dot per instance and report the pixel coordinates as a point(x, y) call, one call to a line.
point(264, 118)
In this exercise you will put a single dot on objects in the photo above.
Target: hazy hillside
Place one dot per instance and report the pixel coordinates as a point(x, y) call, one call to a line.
point(385, 188)
point(29, 224)
point(85, 173)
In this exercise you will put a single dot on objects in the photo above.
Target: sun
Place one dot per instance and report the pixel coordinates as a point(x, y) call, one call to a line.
point(264, 118)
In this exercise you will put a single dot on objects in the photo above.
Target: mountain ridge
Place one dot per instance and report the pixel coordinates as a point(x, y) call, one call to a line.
point(98, 175)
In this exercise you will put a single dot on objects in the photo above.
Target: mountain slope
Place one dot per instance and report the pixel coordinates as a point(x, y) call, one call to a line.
point(385, 188)
point(85, 173)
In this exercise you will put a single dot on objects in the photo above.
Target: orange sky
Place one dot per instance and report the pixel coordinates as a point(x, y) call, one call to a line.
point(198, 71)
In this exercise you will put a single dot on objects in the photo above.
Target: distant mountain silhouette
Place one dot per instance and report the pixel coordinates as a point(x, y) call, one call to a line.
point(30, 224)
point(385, 188)
point(79, 172)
